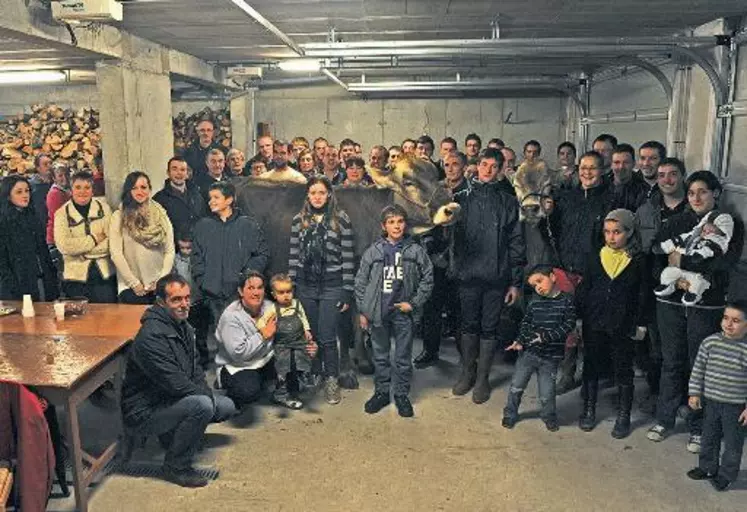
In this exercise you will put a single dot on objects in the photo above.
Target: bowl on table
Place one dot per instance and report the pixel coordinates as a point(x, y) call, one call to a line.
point(76, 306)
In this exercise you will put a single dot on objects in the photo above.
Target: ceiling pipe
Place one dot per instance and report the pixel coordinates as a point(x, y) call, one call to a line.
point(462, 84)
point(254, 14)
point(287, 83)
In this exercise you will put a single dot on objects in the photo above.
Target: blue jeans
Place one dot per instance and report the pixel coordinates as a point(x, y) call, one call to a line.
point(186, 421)
point(400, 326)
point(321, 309)
point(546, 370)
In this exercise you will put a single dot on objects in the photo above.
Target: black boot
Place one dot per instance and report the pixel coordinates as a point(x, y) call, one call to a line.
point(481, 393)
point(470, 345)
point(624, 405)
point(425, 359)
point(588, 419)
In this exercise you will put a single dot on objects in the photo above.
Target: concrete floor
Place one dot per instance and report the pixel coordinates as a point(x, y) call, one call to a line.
point(453, 455)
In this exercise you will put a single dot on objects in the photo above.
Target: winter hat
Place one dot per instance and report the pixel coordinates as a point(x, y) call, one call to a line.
point(626, 219)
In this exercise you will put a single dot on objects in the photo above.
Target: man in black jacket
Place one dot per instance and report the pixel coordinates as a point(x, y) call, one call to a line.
point(628, 187)
point(489, 258)
point(225, 245)
point(164, 392)
point(196, 153)
point(216, 166)
point(183, 205)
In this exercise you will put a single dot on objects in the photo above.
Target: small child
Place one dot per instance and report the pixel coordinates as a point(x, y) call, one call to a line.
point(394, 280)
point(718, 384)
point(710, 238)
point(199, 315)
point(292, 339)
point(549, 319)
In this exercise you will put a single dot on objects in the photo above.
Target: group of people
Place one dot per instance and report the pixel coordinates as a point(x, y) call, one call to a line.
point(638, 267)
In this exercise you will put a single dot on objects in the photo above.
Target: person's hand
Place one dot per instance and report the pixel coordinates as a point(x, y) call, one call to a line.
point(694, 403)
point(99, 237)
point(515, 346)
point(363, 321)
point(308, 336)
point(311, 348)
point(151, 287)
point(640, 333)
point(743, 418)
point(343, 306)
point(675, 259)
point(511, 295)
point(139, 290)
point(269, 330)
point(404, 307)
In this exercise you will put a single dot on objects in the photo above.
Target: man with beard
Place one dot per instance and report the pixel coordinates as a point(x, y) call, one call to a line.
point(164, 392)
point(283, 171)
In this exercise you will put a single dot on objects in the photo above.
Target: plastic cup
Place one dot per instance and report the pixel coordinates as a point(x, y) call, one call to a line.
point(59, 311)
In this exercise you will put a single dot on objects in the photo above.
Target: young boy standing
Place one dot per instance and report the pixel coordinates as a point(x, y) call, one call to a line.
point(394, 280)
point(549, 319)
point(718, 384)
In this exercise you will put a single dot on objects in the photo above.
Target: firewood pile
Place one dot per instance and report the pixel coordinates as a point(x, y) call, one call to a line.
point(185, 127)
point(67, 134)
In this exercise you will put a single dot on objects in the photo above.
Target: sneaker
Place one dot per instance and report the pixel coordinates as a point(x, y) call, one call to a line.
point(184, 477)
point(699, 474)
point(425, 359)
point(657, 433)
point(377, 402)
point(690, 299)
point(332, 391)
point(404, 407)
point(693, 444)
point(552, 425)
point(720, 483)
point(663, 290)
point(508, 422)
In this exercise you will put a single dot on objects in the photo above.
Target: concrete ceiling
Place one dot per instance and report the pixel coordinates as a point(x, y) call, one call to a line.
point(22, 55)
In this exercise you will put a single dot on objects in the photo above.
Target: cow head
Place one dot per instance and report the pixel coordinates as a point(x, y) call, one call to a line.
point(416, 188)
point(533, 186)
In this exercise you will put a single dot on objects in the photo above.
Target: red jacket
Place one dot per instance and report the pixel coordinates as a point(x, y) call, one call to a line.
point(24, 435)
point(55, 199)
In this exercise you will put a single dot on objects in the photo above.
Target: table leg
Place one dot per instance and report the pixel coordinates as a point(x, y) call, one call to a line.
point(73, 434)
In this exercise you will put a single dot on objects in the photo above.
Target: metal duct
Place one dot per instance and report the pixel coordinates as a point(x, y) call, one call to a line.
point(653, 114)
point(288, 83)
point(461, 84)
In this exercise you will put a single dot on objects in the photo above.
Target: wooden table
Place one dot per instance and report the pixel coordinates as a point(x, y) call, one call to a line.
point(66, 362)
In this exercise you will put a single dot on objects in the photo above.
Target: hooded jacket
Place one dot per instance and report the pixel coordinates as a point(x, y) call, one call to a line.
point(161, 367)
point(577, 222)
point(183, 209)
point(24, 257)
point(418, 279)
point(221, 251)
point(488, 239)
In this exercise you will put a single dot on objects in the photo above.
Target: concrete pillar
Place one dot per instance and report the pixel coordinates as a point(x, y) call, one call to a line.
point(135, 102)
point(242, 122)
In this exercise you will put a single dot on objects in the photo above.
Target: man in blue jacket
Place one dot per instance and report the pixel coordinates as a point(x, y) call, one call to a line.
point(489, 257)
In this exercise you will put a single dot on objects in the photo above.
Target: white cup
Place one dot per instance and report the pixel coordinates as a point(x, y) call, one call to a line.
point(59, 311)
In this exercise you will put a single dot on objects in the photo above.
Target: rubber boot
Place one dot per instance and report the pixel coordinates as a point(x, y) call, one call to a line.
point(624, 405)
point(588, 418)
point(470, 347)
point(481, 393)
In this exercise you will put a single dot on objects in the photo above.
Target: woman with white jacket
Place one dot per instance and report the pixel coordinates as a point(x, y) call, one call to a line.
point(141, 241)
point(81, 233)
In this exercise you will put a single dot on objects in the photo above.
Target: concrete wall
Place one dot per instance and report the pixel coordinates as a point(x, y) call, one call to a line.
point(192, 106)
point(15, 100)
point(633, 95)
point(330, 113)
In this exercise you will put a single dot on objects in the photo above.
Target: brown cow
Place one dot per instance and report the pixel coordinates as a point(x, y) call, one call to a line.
point(413, 184)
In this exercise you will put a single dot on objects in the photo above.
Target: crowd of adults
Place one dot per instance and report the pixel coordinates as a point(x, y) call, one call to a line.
point(55, 236)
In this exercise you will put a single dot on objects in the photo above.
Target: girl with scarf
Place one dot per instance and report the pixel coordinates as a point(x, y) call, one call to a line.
point(25, 265)
point(323, 269)
point(141, 241)
point(611, 301)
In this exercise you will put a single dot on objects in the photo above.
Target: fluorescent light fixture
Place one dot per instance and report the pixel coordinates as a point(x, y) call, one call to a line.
point(300, 65)
point(32, 77)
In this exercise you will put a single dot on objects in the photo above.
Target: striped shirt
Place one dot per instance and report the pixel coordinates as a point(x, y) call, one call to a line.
point(340, 258)
point(553, 319)
point(720, 370)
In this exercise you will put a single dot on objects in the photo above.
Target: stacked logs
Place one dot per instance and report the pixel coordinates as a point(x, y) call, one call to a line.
point(66, 134)
point(185, 127)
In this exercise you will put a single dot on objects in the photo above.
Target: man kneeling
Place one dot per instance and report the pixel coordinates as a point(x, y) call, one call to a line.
point(164, 391)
